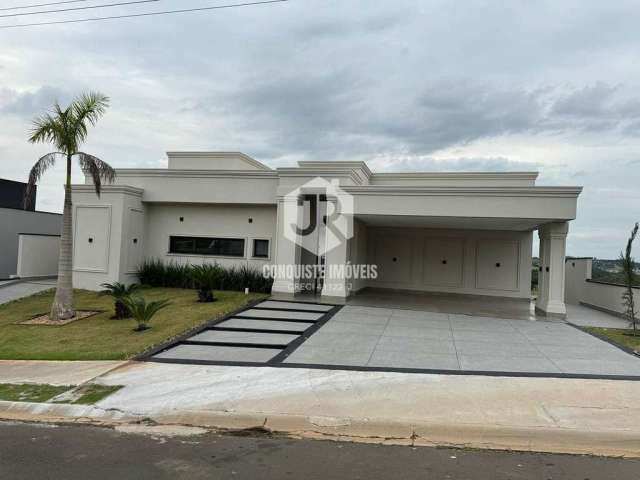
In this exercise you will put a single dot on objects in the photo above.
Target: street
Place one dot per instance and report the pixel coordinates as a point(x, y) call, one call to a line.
point(79, 452)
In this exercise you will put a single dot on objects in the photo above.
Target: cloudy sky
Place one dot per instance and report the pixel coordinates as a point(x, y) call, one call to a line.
point(402, 84)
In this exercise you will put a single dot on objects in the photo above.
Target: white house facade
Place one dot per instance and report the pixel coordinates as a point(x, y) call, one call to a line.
point(464, 233)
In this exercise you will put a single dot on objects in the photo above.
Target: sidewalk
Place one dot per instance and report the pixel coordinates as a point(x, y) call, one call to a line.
point(551, 415)
point(16, 289)
point(53, 373)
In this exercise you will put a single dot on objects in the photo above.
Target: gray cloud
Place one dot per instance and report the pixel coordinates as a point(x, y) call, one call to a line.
point(404, 85)
point(31, 102)
point(344, 114)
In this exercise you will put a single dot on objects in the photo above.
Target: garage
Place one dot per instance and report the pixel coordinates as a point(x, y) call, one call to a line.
point(415, 256)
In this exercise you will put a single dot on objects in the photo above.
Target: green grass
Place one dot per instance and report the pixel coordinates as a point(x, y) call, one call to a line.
point(619, 336)
point(30, 393)
point(84, 395)
point(99, 337)
point(90, 394)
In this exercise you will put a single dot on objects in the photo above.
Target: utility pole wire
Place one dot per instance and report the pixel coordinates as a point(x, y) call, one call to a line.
point(21, 7)
point(70, 9)
point(147, 14)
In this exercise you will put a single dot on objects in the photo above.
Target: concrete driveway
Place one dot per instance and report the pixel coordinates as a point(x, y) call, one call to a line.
point(407, 339)
point(10, 291)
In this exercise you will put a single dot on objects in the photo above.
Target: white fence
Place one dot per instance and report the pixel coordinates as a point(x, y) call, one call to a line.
point(580, 289)
point(38, 255)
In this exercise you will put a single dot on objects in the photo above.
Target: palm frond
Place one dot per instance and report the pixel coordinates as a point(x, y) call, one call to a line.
point(99, 170)
point(44, 129)
point(88, 107)
point(40, 167)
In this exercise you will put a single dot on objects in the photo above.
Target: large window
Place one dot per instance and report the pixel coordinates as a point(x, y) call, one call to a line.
point(228, 247)
point(260, 248)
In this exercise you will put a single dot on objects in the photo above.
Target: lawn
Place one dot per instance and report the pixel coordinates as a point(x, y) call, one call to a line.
point(99, 337)
point(84, 395)
point(619, 336)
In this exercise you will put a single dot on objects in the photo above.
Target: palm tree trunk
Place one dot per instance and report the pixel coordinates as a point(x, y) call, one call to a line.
point(62, 307)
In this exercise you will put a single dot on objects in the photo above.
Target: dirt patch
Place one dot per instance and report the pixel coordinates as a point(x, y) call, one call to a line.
point(45, 320)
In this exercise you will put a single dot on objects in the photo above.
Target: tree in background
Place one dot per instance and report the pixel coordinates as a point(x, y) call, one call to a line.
point(67, 130)
point(629, 281)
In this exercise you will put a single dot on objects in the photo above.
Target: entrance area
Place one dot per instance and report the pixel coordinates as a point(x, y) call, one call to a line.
point(291, 333)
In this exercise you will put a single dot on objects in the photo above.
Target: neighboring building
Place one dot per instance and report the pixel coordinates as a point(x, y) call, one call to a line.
point(28, 239)
point(466, 233)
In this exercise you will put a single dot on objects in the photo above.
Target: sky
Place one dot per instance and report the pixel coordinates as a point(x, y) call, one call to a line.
point(401, 84)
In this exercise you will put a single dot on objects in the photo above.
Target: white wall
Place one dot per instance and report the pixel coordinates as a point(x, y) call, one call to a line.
point(412, 259)
point(163, 221)
point(213, 161)
point(580, 289)
point(456, 179)
point(14, 222)
point(38, 255)
point(103, 232)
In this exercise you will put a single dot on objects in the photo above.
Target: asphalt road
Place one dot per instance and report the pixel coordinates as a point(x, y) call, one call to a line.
point(82, 452)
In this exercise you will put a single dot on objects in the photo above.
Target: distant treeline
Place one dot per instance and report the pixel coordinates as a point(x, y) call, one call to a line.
point(609, 271)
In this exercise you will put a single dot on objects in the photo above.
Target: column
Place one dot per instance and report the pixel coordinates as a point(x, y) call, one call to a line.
point(286, 250)
point(337, 255)
point(553, 237)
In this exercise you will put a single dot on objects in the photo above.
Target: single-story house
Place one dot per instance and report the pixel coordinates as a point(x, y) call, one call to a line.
point(465, 233)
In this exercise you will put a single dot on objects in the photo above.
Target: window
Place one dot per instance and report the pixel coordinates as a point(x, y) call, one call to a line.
point(228, 247)
point(261, 248)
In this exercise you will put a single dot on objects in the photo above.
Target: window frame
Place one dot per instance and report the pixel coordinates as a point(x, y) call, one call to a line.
point(209, 237)
point(253, 248)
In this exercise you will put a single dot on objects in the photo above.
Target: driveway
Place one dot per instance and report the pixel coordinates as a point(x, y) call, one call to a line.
point(407, 339)
point(10, 291)
point(297, 334)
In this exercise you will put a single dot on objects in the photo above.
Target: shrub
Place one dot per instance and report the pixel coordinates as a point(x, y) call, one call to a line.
point(143, 311)
point(156, 273)
point(119, 292)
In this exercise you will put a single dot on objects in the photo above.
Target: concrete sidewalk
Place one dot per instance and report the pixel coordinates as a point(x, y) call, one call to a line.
point(534, 414)
point(53, 372)
point(14, 290)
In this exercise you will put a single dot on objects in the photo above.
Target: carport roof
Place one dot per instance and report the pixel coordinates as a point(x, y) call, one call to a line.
point(538, 204)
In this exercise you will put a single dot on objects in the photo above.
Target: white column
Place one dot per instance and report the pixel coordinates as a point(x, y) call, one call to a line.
point(286, 250)
point(553, 237)
point(335, 282)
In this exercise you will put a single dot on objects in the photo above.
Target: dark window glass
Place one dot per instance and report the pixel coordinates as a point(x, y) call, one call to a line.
point(182, 245)
point(230, 247)
point(261, 248)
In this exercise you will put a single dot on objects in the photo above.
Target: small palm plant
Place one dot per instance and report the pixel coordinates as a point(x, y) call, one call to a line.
point(143, 311)
point(119, 291)
point(205, 278)
point(630, 279)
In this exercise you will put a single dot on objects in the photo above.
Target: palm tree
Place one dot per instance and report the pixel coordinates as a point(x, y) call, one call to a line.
point(205, 278)
point(119, 292)
point(67, 129)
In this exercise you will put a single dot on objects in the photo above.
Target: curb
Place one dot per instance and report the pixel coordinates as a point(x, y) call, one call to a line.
point(618, 443)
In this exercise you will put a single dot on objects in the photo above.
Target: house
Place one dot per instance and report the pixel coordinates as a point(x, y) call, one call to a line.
point(460, 233)
point(28, 239)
